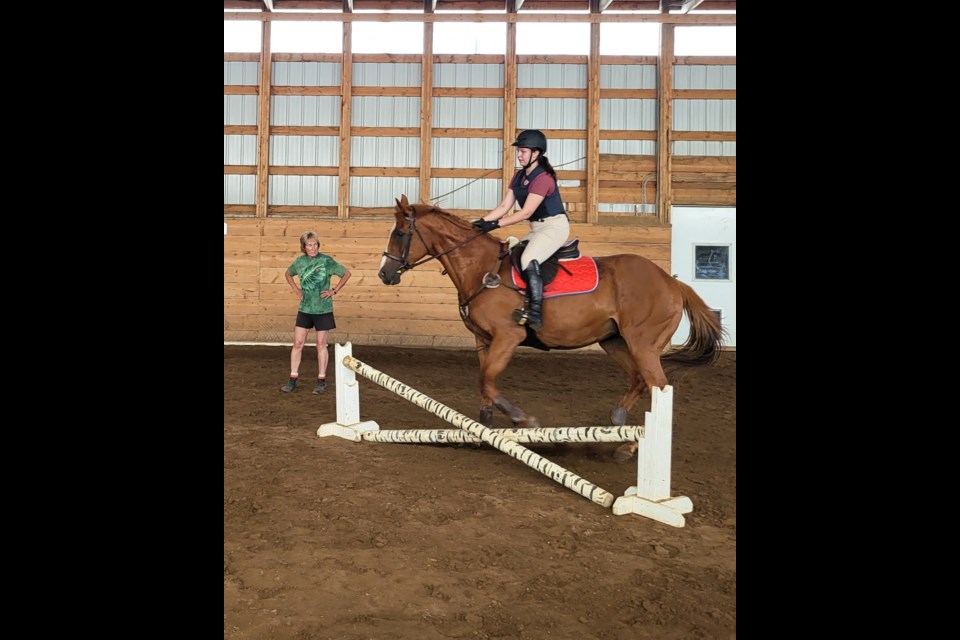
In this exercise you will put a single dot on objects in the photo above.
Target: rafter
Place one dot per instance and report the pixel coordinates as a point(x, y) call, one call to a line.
point(599, 6)
point(682, 6)
point(348, 6)
point(429, 6)
point(513, 6)
point(267, 5)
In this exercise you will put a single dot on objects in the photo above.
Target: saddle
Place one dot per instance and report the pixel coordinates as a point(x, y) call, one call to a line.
point(550, 267)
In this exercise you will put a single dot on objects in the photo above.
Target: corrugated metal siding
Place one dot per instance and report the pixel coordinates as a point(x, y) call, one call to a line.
point(463, 193)
point(367, 151)
point(239, 189)
point(705, 115)
point(241, 73)
point(628, 76)
point(303, 190)
point(628, 113)
point(468, 75)
point(382, 192)
point(239, 149)
point(552, 113)
point(466, 113)
point(552, 76)
point(306, 74)
point(305, 151)
point(388, 74)
point(699, 76)
point(467, 153)
point(384, 111)
point(239, 109)
point(312, 111)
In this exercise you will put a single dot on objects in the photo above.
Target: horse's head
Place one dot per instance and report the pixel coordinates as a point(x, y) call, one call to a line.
point(405, 245)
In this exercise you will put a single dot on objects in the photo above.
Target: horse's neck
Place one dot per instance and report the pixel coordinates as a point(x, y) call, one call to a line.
point(466, 265)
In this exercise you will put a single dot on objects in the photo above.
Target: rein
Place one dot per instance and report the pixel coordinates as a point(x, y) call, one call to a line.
point(408, 238)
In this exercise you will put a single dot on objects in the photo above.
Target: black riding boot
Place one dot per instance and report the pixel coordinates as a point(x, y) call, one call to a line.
point(535, 290)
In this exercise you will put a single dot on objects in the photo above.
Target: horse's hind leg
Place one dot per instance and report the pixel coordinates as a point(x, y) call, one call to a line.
point(619, 352)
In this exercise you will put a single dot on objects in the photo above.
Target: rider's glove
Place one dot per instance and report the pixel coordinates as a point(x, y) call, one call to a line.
point(486, 226)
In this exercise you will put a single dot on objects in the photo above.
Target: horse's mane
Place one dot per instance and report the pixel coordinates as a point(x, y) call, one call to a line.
point(423, 209)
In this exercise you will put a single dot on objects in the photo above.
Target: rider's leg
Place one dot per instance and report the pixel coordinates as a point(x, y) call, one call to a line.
point(546, 237)
point(535, 292)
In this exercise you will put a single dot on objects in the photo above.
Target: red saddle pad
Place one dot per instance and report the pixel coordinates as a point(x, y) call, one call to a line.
point(583, 278)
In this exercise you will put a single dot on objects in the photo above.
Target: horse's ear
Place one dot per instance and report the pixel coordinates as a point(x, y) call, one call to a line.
point(404, 202)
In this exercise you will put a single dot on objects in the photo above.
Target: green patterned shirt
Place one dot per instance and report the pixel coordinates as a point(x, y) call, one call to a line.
point(314, 274)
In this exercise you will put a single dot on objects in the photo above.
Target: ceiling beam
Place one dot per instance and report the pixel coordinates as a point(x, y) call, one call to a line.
point(513, 6)
point(682, 6)
point(429, 6)
point(348, 6)
point(599, 6)
point(267, 5)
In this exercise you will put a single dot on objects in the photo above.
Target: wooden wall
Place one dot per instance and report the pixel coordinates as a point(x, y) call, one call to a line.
point(258, 305)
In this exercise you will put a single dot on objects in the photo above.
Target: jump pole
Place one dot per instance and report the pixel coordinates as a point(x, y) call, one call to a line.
point(553, 471)
point(650, 497)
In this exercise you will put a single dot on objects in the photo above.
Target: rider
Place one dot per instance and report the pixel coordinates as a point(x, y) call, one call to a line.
point(534, 187)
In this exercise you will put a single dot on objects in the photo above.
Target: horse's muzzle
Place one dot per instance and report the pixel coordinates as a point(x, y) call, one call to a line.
point(393, 277)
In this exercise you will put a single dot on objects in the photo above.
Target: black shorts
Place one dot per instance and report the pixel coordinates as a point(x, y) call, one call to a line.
point(318, 321)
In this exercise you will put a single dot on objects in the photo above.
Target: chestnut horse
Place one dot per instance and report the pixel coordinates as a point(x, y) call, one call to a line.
point(632, 314)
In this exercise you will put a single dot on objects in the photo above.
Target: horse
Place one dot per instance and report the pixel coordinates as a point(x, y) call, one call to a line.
point(632, 313)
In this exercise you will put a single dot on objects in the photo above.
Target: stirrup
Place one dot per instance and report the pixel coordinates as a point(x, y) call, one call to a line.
point(520, 317)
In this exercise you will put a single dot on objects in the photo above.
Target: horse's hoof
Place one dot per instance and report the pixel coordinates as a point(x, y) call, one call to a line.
point(618, 417)
point(624, 453)
point(486, 416)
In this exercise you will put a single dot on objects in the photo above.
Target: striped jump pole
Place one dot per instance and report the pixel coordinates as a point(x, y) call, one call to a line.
point(553, 471)
point(517, 434)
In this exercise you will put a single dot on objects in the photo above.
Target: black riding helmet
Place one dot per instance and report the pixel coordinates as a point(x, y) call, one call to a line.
point(531, 139)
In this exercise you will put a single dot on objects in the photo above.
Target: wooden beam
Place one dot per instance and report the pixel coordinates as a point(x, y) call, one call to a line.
point(509, 107)
point(348, 6)
point(593, 125)
point(346, 84)
point(429, 6)
point(267, 5)
point(426, 111)
point(599, 6)
point(513, 6)
point(665, 123)
point(263, 123)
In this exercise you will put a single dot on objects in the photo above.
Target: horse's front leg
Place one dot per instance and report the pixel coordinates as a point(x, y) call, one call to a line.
point(492, 363)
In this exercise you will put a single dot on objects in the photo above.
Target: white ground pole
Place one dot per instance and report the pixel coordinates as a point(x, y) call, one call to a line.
point(649, 498)
point(553, 471)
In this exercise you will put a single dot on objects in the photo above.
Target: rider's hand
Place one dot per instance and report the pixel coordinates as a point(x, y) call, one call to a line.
point(486, 226)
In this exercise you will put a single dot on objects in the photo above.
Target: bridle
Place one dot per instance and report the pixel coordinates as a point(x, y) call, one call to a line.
point(407, 238)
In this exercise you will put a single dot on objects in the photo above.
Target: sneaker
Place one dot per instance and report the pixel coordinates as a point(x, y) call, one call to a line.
point(290, 386)
point(321, 387)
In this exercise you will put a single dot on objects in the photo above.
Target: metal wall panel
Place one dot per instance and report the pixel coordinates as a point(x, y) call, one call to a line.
point(241, 73)
point(552, 76)
point(384, 111)
point(700, 76)
point(311, 111)
point(466, 153)
point(705, 115)
point(240, 149)
point(239, 109)
point(628, 76)
point(629, 147)
point(306, 74)
point(552, 113)
point(387, 74)
point(466, 193)
point(367, 151)
point(305, 151)
point(303, 190)
point(468, 75)
point(382, 192)
point(239, 189)
point(467, 113)
point(632, 114)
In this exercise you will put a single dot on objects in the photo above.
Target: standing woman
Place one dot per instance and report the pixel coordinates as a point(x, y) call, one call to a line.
point(534, 188)
point(316, 305)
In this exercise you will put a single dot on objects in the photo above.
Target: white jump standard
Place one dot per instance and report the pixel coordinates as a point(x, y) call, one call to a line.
point(649, 498)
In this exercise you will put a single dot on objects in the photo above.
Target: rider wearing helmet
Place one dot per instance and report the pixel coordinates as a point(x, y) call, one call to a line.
point(534, 189)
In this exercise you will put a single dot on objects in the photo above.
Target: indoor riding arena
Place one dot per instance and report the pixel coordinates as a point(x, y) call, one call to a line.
point(336, 115)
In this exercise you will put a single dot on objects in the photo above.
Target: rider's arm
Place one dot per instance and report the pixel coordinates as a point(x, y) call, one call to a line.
point(533, 201)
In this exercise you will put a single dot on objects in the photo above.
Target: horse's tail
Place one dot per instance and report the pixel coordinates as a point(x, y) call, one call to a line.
point(706, 332)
